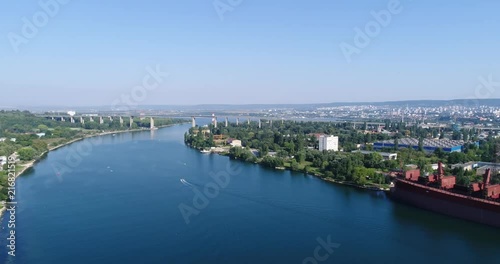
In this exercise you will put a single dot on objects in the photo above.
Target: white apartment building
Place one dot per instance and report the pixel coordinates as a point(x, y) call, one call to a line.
point(328, 143)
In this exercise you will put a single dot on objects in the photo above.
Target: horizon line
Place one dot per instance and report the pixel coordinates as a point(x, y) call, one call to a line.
point(263, 104)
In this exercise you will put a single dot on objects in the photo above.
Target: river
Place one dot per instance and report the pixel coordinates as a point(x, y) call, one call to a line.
point(118, 199)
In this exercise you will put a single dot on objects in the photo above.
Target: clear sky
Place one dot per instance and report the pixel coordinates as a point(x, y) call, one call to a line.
point(91, 52)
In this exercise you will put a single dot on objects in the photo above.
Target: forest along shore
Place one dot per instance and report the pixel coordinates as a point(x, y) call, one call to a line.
point(281, 148)
point(345, 154)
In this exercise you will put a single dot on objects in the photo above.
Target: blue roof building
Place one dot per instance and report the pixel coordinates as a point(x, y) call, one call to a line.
point(429, 145)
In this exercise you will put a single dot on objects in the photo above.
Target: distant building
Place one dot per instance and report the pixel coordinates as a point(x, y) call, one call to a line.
point(385, 155)
point(236, 143)
point(40, 135)
point(205, 132)
point(495, 169)
point(328, 143)
point(272, 153)
point(3, 161)
point(429, 145)
point(3, 139)
point(465, 166)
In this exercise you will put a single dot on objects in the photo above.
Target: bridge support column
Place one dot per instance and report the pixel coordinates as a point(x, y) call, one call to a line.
point(131, 122)
point(121, 121)
point(101, 121)
point(260, 123)
point(237, 121)
point(193, 121)
point(226, 121)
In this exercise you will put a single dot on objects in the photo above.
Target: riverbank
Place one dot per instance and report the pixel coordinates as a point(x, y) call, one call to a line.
point(372, 187)
point(29, 164)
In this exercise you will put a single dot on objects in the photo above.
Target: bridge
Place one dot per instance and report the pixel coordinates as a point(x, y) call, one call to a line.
point(100, 119)
point(259, 119)
point(268, 120)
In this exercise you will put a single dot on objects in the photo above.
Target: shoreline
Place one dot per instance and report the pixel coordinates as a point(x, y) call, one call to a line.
point(31, 163)
point(330, 180)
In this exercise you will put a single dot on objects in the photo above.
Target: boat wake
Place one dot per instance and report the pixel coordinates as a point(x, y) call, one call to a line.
point(186, 183)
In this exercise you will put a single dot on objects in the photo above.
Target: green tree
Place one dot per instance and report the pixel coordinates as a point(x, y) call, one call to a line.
point(439, 153)
point(43, 128)
point(39, 145)
point(26, 153)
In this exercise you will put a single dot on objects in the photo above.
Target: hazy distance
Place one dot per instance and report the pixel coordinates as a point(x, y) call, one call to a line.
point(248, 52)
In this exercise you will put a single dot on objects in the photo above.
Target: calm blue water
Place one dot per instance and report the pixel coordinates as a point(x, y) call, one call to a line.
point(120, 204)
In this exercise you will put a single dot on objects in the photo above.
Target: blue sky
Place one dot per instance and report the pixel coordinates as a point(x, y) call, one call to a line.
point(92, 52)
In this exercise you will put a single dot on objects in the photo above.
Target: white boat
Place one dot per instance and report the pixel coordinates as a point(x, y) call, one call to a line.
point(204, 151)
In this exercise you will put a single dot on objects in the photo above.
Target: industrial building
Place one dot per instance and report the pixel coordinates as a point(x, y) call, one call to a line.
point(469, 166)
point(328, 143)
point(495, 169)
point(385, 155)
point(429, 145)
